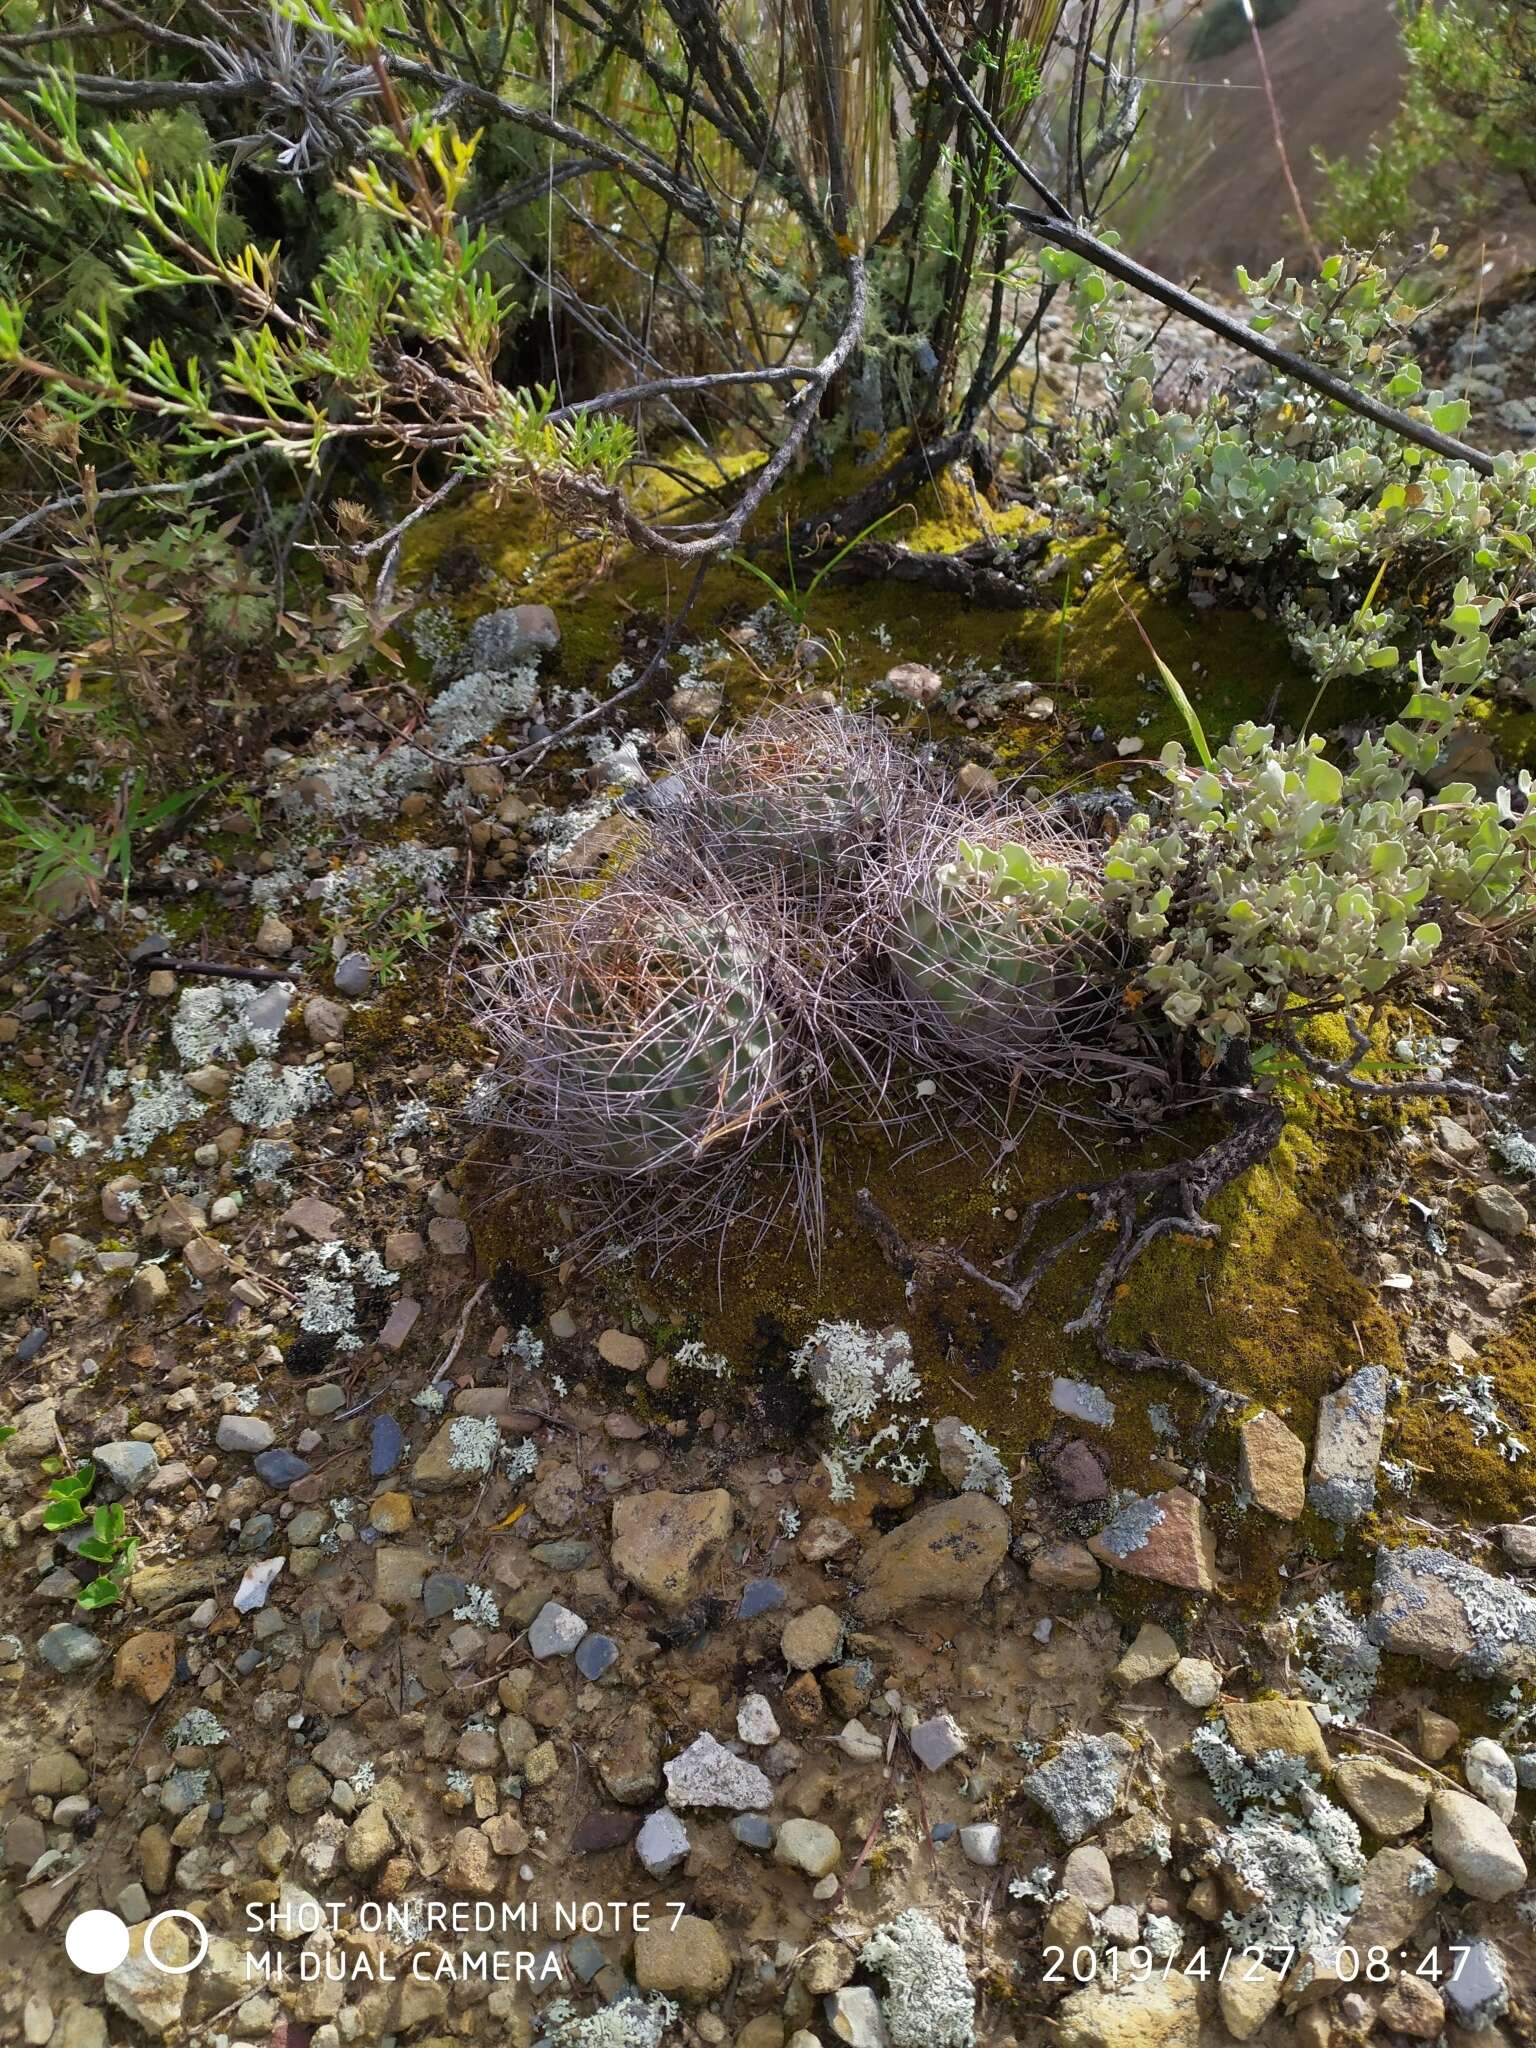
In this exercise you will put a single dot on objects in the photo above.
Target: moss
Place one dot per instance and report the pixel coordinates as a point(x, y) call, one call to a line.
point(1271, 1309)
point(377, 1033)
point(1472, 1477)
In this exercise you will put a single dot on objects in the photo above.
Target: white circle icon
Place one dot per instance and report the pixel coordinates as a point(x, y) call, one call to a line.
point(198, 1929)
point(96, 1942)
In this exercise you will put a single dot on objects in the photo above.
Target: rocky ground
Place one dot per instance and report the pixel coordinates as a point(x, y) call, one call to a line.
point(498, 1663)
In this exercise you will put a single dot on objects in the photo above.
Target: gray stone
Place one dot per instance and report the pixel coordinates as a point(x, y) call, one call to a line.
point(708, 1774)
point(1477, 1991)
point(504, 640)
point(594, 1655)
point(441, 1593)
point(1501, 1212)
point(662, 1842)
point(586, 1958)
point(938, 1741)
point(808, 1846)
point(982, 1844)
point(1346, 1448)
point(555, 1631)
point(280, 1468)
point(760, 1596)
point(755, 1722)
point(68, 1648)
point(353, 975)
point(1430, 1605)
point(752, 1831)
point(853, 2016)
point(1080, 1787)
point(244, 1433)
point(1474, 1845)
point(1490, 1775)
point(129, 1465)
point(386, 1442)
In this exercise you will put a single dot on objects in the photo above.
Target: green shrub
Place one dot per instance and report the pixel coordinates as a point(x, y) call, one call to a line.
point(1274, 878)
point(1355, 535)
point(1469, 107)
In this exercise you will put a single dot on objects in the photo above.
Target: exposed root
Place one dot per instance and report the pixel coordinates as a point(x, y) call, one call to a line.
point(1345, 1074)
point(1137, 1209)
point(987, 573)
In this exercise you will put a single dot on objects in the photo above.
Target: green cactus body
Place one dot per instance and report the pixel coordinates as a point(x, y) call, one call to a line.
point(684, 1054)
point(815, 824)
point(997, 937)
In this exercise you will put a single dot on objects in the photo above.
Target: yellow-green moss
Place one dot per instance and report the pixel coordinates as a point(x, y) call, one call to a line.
point(1482, 1485)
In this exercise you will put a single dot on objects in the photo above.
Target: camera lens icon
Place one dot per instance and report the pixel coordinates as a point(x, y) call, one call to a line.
point(98, 1941)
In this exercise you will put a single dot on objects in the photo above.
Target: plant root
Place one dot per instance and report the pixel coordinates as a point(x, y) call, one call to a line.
point(1137, 1209)
point(1345, 1074)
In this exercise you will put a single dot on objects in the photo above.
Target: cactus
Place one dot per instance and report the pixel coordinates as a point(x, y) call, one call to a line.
point(998, 939)
point(800, 799)
point(659, 1040)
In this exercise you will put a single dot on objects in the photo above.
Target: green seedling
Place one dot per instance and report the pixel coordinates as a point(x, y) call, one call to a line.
point(67, 1497)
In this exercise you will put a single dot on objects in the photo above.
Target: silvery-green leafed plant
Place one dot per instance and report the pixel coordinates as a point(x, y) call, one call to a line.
point(1359, 535)
point(1275, 877)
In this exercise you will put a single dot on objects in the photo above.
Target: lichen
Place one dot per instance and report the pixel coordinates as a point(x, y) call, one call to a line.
point(929, 2001)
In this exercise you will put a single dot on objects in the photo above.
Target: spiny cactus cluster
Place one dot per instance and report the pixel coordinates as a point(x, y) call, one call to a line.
point(803, 902)
point(655, 1019)
point(995, 936)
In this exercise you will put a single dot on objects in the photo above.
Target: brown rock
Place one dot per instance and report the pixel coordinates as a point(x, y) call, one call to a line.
point(472, 1866)
point(1288, 1725)
point(178, 1222)
point(1386, 1800)
point(597, 1833)
point(161, 1585)
point(661, 1541)
point(1162, 1538)
point(1399, 1889)
point(18, 1275)
point(801, 1701)
point(155, 1858)
point(203, 1258)
point(945, 1552)
point(146, 1665)
point(1413, 2007)
point(366, 1623)
point(623, 1352)
point(1272, 1465)
point(690, 1961)
point(319, 1221)
point(812, 1639)
point(629, 1759)
point(331, 1684)
point(1065, 1568)
point(1435, 1735)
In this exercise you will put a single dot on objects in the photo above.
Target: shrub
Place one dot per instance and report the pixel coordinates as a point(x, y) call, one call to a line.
point(1469, 105)
point(1357, 536)
point(1275, 878)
